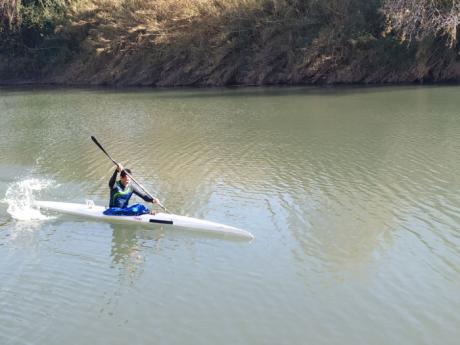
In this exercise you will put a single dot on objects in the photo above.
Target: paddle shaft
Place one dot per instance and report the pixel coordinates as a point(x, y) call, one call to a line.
point(128, 174)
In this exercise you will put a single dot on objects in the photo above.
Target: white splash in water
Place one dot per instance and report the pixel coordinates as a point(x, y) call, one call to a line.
point(20, 199)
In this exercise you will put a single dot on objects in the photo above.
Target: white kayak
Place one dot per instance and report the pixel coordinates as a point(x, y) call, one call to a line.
point(91, 210)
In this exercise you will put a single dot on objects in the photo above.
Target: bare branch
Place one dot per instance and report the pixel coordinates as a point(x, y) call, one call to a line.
point(417, 19)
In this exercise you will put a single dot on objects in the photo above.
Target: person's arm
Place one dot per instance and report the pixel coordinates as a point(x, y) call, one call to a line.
point(113, 178)
point(141, 194)
point(144, 196)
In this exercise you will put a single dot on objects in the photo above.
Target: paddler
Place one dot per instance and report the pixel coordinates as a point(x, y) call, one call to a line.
point(120, 193)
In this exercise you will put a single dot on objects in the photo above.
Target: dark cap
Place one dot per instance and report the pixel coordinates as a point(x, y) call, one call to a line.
point(124, 171)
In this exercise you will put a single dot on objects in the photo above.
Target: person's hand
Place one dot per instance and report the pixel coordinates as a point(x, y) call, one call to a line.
point(120, 167)
point(156, 201)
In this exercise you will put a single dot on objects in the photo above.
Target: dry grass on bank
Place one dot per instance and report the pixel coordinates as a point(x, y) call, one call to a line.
point(166, 20)
point(181, 42)
point(213, 43)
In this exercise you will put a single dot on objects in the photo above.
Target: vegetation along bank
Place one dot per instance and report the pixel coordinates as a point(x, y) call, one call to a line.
point(228, 42)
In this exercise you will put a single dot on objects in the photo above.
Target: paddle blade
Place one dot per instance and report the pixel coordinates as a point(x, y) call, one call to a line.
point(97, 143)
point(102, 149)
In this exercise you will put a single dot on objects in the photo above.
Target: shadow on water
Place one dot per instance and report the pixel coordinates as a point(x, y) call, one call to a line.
point(230, 91)
point(128, 239)
point(128, 248)
point(131, 244)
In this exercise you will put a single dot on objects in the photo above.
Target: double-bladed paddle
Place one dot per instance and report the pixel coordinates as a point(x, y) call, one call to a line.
point(130, 176)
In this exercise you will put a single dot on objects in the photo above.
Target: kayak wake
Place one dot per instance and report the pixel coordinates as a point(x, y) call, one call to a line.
point(20, 199)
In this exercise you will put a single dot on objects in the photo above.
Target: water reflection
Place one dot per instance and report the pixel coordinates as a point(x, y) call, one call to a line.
point(129, 244)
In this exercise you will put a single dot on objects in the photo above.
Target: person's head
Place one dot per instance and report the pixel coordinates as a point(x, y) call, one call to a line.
point(124, 177)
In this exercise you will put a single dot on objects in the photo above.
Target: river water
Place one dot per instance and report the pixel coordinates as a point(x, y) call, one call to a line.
point(352, 194)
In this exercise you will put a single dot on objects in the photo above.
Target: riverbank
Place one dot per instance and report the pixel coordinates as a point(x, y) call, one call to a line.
point(204, 43)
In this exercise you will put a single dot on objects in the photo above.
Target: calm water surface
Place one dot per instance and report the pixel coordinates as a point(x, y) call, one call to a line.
point(353, 196)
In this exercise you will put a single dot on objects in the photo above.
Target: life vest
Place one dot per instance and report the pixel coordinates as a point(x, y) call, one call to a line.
point(119, 196)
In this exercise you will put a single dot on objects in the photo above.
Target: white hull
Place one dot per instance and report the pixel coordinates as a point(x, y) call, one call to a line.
point(91, 210)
